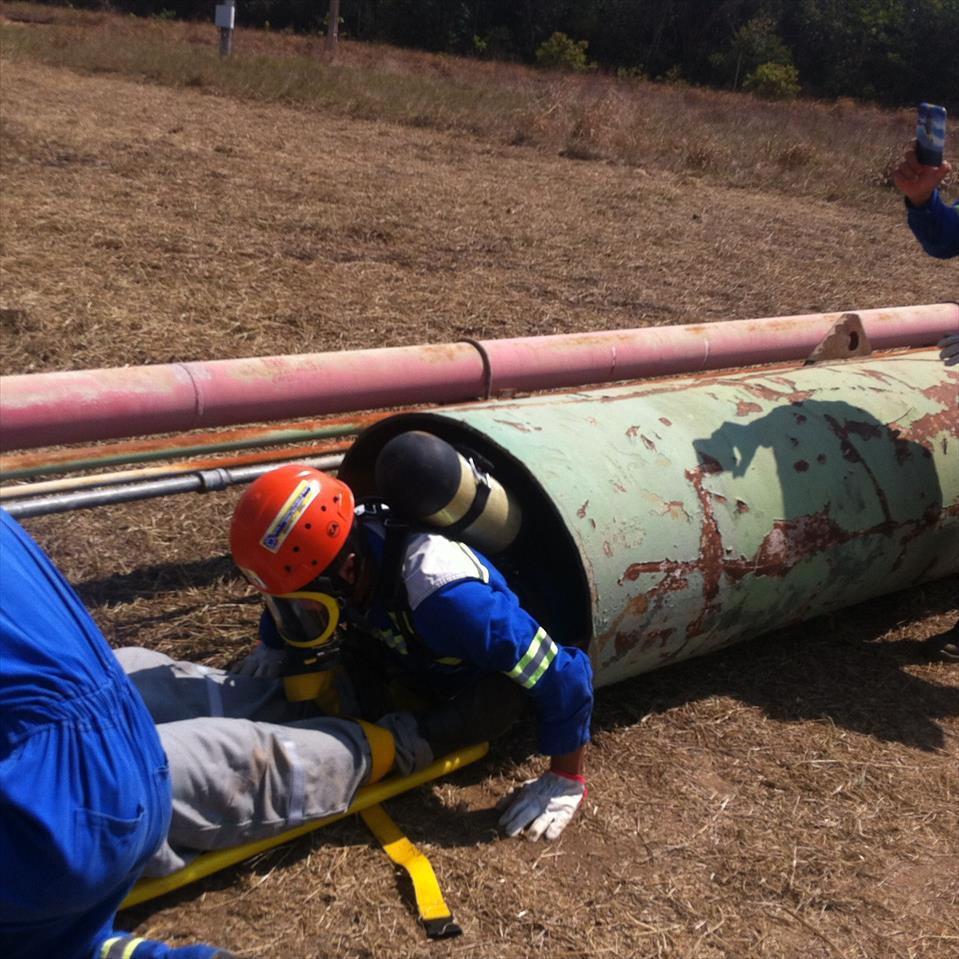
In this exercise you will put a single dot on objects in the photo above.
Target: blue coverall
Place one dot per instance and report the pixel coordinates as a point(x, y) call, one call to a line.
point(936, 226)
point(468, 623)
point(84, 785)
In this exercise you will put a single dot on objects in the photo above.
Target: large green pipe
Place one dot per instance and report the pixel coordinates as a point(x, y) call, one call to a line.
point(665, 520)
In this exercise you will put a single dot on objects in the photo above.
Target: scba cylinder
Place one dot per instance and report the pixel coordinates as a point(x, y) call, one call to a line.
point(424, 478)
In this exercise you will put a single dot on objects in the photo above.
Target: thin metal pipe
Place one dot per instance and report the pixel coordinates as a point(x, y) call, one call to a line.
point(69, 483)
point(45, 409)
point(26, 465)
point(203, 481)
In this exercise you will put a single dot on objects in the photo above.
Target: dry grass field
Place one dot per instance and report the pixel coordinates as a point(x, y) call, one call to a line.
point(796, 796)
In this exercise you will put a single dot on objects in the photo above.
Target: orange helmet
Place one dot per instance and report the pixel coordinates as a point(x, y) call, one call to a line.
point(288, 526)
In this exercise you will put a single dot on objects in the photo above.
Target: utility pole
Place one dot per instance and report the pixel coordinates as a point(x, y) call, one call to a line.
point(225, 18)
point(333, 25)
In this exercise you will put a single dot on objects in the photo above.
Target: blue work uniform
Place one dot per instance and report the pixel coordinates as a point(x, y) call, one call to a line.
point(935, 225)
point(84, 787)
point(460, 621)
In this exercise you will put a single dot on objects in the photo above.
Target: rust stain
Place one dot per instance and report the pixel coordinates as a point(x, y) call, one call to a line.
point(675, 574)
point(710, 552)
point(903, 450)
point(923, 429)
point(521, 427)
point(624, 642)
point(851, 454)
point(790, 394)
point(945, 393)
point(868, 431)
point(800, 466)
point(632, 432)
point(648, 443)
point(790, 542)
point(821, 458)
point(709, 464)
point(655, 636)
point(745, 407)
point(581, 512)
point(638, 605)
point(35, 460)
point(741, 506)
point(665, 421)
point(607, 549)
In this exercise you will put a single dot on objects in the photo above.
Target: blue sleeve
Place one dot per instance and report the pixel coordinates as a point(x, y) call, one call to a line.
point(269, 635)
point(935, 226)
point(486, 627)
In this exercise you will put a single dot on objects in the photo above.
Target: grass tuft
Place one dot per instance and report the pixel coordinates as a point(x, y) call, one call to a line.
point(735, 138)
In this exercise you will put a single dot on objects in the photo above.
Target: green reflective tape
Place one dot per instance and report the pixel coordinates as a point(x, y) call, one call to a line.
point(394, 640)
point(535, 661)
point(119, 947)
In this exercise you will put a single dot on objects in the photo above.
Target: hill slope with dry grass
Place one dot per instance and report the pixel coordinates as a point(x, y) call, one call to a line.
point(795, 796)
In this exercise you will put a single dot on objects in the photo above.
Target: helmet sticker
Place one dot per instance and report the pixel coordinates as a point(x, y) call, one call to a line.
point(290, 512)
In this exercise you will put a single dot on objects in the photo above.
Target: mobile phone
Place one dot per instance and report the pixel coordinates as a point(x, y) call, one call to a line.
point(930, 134)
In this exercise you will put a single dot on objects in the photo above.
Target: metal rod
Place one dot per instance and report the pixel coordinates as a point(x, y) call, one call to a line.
point(26, 465)
point(69, 483)
point(204, 481)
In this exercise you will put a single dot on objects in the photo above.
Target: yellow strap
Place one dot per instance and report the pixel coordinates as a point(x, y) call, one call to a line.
point(429, 900)
point(368, 795)
point(382, 749)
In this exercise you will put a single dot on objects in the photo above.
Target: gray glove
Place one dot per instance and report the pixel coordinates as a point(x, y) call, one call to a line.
point(263, 662)
point(949, 349)
point(542, 806)
point(412, 750)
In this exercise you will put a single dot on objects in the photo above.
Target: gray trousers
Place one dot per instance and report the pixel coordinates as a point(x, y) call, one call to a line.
point(244, 763)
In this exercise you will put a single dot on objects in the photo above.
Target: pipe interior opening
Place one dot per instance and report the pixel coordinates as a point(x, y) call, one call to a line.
point(543, 565)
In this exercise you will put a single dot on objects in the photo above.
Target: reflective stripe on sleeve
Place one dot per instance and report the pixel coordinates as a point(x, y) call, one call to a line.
point(395, 641)
point(535, 661)
point(482, 573)
point(119, 947)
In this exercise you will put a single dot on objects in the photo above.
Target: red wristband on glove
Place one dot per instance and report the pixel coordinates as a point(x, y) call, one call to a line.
point(574, 777)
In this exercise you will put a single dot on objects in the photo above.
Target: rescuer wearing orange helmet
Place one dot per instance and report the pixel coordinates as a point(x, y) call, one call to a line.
point(421, 614)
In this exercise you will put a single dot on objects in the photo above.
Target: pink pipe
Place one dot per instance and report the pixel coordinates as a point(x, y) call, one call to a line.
point(45, 409)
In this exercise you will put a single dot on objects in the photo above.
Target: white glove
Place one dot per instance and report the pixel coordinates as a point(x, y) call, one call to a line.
point(545, 805)
point(264, 662)
point(949, 349)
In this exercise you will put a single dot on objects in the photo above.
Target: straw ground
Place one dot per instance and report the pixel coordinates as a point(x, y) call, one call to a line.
point(795, 796)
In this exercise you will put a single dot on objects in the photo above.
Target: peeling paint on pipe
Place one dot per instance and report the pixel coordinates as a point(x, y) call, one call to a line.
point(46, 409)
point(685, 515)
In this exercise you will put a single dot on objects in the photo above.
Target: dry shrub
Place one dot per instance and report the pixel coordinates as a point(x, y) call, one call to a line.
point(796, 156)
point(583, 117)
point(705, 156)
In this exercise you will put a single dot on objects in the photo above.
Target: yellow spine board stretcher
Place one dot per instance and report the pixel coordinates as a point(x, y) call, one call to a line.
point(433, 912)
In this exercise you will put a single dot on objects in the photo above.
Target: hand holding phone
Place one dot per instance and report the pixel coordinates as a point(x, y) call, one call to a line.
point(930, 134)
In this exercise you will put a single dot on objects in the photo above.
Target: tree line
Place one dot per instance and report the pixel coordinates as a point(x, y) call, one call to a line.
point(891, 51)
